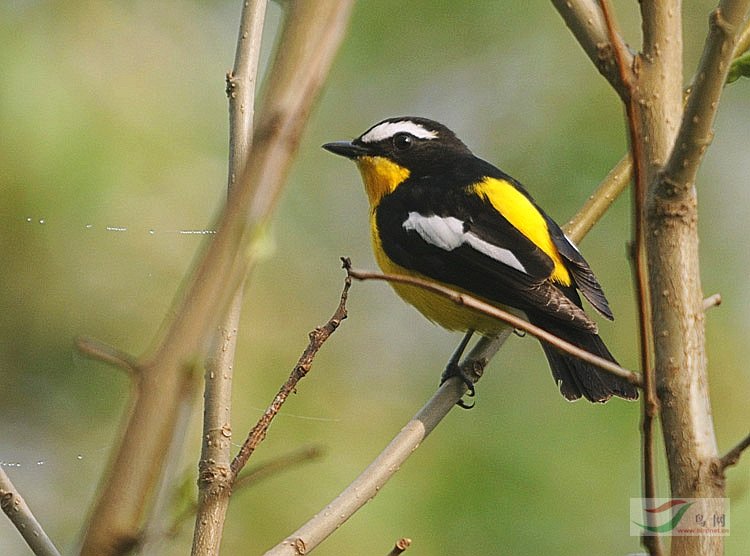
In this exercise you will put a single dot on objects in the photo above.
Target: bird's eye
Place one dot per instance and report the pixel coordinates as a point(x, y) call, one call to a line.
point(402, 141)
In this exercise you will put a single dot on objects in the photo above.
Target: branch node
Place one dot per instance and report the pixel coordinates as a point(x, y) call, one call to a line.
point(400, 546)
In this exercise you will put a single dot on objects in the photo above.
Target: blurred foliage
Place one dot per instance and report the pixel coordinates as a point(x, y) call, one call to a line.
point(113, 127)
point(740, 68)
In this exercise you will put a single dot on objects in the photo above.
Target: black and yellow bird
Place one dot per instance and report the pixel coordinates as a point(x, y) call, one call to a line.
point(439, 212)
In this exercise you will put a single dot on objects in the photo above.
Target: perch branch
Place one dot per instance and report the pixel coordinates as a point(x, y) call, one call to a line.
point(508, 318)
point(20, 515)
point(377, 474)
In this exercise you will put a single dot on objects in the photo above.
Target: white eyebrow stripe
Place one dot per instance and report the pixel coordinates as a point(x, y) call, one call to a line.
point(386, 130)
point(447, 232)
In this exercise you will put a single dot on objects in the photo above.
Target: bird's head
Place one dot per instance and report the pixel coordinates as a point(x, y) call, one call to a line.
point(399, 148)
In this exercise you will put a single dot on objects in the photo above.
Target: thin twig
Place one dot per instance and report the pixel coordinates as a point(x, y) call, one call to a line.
point(712, 301)
point(252, 476)
point(95, 349)
point(317, 339)
point(271, 468)
point(400, 546)
point(650, 403)
point(20, 515)
point(733, 455)
point(508, 318)
point(601, 199)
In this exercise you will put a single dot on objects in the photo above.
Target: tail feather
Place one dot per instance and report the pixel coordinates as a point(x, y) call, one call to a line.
point(577, 378)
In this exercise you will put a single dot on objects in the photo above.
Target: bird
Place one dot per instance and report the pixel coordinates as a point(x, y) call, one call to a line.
point(440, 213)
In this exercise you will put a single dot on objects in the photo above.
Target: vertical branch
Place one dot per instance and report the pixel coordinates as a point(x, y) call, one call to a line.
point(679, 335)
point(310, 37)
point(654, 114)
point(649, 404)
point(214, 476)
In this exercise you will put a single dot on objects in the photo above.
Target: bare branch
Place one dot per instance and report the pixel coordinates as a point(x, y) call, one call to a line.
point(650, 402)
point(371, 480)
point(733, 455)
point(696, 133)
point(586, 21)
point(271, 468)
point(600, 200)
point(91, 347)
point(20, 515)
point(712, 301)
point(310, 36)
point(317, 339)
point(214, 485)
point(510, 319)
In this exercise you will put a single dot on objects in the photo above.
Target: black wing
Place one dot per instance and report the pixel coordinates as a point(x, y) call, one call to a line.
point(457, 238)
point(580, 269)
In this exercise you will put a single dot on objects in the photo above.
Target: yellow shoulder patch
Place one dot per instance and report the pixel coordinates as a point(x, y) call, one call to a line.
point(525, 217)
point(380, 176)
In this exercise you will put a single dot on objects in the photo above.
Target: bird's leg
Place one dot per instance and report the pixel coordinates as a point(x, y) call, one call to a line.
point(454, 369)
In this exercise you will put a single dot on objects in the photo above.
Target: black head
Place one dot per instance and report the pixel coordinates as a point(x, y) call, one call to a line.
point(422, 146)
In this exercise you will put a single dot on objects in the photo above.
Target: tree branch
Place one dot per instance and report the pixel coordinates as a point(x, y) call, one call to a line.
point(512, 320)
point(733, 455)
point(317, 339)
point(20, 515)
point(93, 348)
point(214, 486)
point(310, 37)
point(586, 21)
point(650, 402)
point(696, 133)
point(676, 145)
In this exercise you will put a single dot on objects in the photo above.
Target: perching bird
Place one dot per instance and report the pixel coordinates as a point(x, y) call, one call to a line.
point(439, 212)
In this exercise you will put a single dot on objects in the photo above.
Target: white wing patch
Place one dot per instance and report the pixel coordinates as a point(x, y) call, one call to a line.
point(572, 243)
point(447, 232)
point(386, 130)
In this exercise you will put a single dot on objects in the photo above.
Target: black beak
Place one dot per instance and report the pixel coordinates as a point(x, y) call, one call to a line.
point(346, 148)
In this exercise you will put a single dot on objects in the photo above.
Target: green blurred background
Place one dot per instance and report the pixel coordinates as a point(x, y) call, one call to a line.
point(113, 132)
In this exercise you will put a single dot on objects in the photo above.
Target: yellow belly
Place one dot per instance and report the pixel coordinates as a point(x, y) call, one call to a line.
point(437, 308)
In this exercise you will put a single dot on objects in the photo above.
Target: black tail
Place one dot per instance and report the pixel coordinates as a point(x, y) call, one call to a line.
point(578, 378)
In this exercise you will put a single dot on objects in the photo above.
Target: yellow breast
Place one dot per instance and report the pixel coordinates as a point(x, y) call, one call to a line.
point(436, 308)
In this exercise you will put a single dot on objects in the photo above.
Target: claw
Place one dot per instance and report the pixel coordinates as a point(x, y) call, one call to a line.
point(454, 369)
